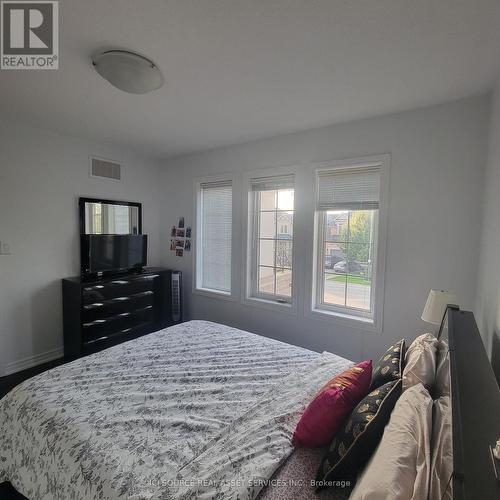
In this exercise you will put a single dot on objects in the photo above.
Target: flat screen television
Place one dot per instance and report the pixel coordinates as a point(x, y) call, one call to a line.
point(113, 252)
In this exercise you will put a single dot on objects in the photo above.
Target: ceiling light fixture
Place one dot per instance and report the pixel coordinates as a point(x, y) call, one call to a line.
point(128, 71)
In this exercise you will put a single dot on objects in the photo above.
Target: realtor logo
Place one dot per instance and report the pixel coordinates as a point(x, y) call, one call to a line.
point(29, 38)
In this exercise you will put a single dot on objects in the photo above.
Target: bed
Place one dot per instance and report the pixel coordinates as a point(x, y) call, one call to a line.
point(197, 410)
point(205, 411)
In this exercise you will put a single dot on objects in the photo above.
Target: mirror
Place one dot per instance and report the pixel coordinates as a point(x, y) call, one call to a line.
point(110, 217)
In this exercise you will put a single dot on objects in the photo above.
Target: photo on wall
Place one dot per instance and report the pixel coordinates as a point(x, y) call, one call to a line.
point(172, 245)
point(180, 233)
point(179, 252)
point(188, 232)
point(181, 222)
point(179, 243)
point(187, 246)
point(172, 231)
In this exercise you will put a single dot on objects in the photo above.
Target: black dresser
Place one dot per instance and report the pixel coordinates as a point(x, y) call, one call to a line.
point(109, 310)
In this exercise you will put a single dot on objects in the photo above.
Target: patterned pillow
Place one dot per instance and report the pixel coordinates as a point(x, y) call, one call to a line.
point(355, 442)
point(390, 366)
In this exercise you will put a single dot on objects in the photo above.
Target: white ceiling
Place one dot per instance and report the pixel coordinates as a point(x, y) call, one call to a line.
point(238, 70)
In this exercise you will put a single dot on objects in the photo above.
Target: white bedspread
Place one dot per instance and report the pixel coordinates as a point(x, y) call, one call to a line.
point(197, 410)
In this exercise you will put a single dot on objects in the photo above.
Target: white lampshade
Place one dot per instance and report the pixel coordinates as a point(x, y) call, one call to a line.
point(436, 305)
point(128, 71)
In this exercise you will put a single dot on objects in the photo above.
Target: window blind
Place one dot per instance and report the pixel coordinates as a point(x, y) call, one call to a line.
point(271, 183)
point(350, 189)
point(216, 232)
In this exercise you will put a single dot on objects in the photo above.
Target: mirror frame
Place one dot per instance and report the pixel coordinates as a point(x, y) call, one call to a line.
point(81, 205)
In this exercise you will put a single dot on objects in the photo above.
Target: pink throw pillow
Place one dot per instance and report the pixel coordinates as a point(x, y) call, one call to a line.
point(330, 407)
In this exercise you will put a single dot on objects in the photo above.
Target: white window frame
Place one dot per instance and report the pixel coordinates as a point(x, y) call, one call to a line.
point(344, 315)
point(250, 239)
point(197, 230)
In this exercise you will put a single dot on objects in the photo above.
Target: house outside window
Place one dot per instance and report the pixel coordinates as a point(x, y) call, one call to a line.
point(350, 240)
point(270, 242)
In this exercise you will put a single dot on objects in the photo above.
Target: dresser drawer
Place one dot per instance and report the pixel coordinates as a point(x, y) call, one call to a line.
point(96, 293)
point(98, 328)
point(112, 307)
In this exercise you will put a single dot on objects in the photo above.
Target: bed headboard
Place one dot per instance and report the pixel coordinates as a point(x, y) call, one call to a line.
point(475, 396)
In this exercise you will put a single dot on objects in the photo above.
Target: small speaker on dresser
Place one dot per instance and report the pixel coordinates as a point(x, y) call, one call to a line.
point(176, 297)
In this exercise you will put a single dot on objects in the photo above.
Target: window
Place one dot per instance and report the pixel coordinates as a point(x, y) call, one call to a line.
point(348, 232)
point(271, 238)
point(97, 217)
point(214, 233)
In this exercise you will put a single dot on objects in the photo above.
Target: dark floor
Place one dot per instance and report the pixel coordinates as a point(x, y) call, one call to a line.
point(7, 492)
point(10, 381)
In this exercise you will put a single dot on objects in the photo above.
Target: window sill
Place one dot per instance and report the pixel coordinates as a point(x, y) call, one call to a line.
point(214, 294)
point(346, 319)
point(274, 305)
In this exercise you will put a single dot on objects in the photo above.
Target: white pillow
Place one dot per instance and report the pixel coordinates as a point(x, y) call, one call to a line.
point(420, 362)
point(399, 468)
point(442, 450)
point(442, 386)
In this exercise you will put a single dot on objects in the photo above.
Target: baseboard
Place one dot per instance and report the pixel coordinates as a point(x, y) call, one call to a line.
point(29, 362)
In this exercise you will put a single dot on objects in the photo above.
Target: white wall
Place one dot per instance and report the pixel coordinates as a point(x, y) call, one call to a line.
point(436, 186)
point(42, 174)
point(488, 293)
point(438, 157)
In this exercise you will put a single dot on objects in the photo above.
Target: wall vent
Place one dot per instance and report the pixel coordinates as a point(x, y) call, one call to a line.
point(105, 169)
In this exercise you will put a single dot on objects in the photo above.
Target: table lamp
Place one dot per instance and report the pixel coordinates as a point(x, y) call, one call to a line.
point(436, 305)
